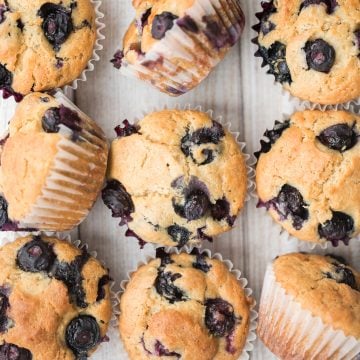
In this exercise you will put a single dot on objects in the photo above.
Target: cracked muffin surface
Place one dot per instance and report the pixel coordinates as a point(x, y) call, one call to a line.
point(53, 165)
point(324, 285)
point(184, 306)
point(308, 177)
point(176, 177)
point(44, 45)
point(312, 47)
point(55, 300)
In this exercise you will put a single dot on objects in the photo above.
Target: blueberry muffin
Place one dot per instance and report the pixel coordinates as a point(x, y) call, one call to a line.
point(312, 47)
point(44, 45)
point(184, 306)
point(310, 308)
point(174, 45)
point(308, 175)
point(53, 165)
point(55, 300)
point(175, 178)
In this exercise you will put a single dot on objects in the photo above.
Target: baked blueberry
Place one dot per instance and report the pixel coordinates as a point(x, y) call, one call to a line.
point(35, 256)
point(5, 77)
point(160, 350)
point(164, 284)
point(339, 228)
point(161, 24)
point(57, 23)
point(339, 137)
point(179, 234)
point(56, 116)
point(357, 36)
point(3, 211)
point(4, 305)
point(126, 130)
point(70, 275)
point(117, 59)
point(14, 352)
point(3, 10)
point(188, 23)
point(104, 280)
point(342, 275)
point(118, 200)
point(219, 317)
point(220, 210)
point(197, 204)
point(320, 55)
point(82, 334)
point(275, 57)
point(330, 4)
point(201, 263)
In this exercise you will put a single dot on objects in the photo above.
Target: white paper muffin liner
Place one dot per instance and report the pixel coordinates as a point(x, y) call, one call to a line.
point(251, 337)
point(296, 102)
point(250, 162)
point(173, 78)
point(290, 331)
point(56, 209)
point(276, 227)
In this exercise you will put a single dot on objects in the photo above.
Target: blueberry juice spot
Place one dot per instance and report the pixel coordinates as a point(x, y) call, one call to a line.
point(342, 275)
point(117, 59)
point(161, 24)
point(320, 56)
point(3, 212)
point(160, 350)
point(164, 285)
point(340, 137)
point(187, 23)
point(82, 334)
point(36, 256)
point(13, 352)
point(289, 203)
point(126, 130)
point(219, 317)
point(70, 275)
point(103, 281)
point(179, 234)
point(265, 26)
point(275, 57)
point(118, 200)
point(3, 10)
point(339, 228)
point(57, 23)
point(330, 4)
point(272, 136)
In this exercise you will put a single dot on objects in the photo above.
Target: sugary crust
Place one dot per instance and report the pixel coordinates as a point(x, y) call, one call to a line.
point(303, 277)
point(295, 28)
point(147, 163)
point(30, 57)
point(40, 307)
point(327, 179)
point(30, 157)
point(146, 317)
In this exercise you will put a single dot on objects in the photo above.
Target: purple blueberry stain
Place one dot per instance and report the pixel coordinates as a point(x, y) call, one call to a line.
point(219, 317)
point(165, 258)
point(4, 305)
point(103, 281)
point(82, 334)
point(57, 23)
point(131, 233)
point(342, 275)
point(357, 38)
point(320, 55)
point(144, 20)
point(59, 62)
point(289, 203)
point(202, 236)
point(117, 59)
point(14, 352)
point(272, 136)
point(200, 263)
point(331, 5)
point(118, 200)
point(230, 348)
point(339, 228)
point(3, 9)
point(161, 350)
point(161, 24)
point(340, 137)
point(179, 234)
point(188, 23)
point(126, 130)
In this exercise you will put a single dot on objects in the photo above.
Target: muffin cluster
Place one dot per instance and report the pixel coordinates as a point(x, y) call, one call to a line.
point(312, 47)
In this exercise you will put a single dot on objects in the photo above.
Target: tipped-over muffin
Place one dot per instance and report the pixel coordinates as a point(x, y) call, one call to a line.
point(176, 178)
point(54, 300)
point(53, 165)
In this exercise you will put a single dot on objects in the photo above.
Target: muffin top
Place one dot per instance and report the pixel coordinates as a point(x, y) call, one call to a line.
point(312, 47)
point(44, 45)
point(55, 300)
point(308, 175)
point(34, 156)
point(175, 299)
point(176, 177)
point(324, 285)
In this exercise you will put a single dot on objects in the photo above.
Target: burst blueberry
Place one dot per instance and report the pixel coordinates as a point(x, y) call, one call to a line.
point(164, 284)
point(179, 234)
point(161, 24)
point(330, 4)
point(340, 137)
point(14, 352)
point(320, 55)
point(343, 275)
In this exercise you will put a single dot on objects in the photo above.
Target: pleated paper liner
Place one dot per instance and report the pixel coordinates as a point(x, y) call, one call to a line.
point(251, 336)
point(183, 58)
point(290, 331)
